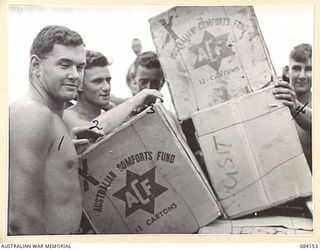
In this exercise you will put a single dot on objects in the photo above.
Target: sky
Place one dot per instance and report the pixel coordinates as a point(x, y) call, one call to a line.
point(110, 30)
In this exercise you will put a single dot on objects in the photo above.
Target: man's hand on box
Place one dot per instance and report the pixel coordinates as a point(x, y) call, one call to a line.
point(285, 92)
point(146, 96)
point(82, 136)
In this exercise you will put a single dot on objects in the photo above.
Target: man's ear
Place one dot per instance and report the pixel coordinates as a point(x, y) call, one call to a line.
point(35, 65)
point(285, 74)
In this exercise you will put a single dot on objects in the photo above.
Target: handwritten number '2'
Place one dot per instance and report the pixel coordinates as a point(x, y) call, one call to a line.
point(95, 126)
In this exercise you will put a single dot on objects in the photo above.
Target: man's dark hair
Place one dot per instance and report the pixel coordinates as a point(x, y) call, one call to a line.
point(147, 59)
point(301, 53)
point(94, 59)
point(51, 35)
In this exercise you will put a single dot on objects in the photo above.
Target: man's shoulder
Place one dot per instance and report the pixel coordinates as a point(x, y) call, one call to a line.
point(29, 105)
point(29, 113)
point(71, 112)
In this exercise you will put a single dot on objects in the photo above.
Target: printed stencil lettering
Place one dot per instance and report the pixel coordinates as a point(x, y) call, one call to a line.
point(140, 192)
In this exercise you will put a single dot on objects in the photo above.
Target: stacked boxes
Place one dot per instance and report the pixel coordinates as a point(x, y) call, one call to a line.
point(217, 67)
point(142, 178)
point(210, 55)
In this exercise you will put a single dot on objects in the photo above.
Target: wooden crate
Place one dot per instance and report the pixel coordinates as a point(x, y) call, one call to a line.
point(210, 55)
point(142, 178)
point(252, 153)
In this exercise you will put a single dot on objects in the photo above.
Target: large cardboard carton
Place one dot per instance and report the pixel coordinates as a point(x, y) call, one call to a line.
point(276, 225)
point(210, 54)
point(309, 204)
point(253, 154)
point(142, 178)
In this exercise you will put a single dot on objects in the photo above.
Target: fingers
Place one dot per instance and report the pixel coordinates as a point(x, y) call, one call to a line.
point(80, 142)
point(86, 132)
point(288, 104)
point(146, 96)
point(284, 91)
point(75, 131)
point(152, 92)
point(80, 145)
point(281, 91)
point(285, 97)
point(279, 83)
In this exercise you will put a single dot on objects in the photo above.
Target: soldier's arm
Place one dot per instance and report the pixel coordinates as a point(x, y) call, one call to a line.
point(30, 141)
point(111, 119)
point(285, 92)
point(116, 116)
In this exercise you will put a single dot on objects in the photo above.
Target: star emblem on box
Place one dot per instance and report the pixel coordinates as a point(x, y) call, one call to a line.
point(140, 192)
point(211, 50)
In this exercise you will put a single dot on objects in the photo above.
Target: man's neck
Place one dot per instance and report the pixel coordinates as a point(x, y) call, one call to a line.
point(38, 93)
point(304, 97)
point(87, 110)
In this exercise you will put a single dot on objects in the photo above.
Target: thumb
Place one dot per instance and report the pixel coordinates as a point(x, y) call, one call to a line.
point(80, 142)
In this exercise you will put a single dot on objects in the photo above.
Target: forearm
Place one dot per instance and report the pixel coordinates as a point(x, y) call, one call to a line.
point(304, 120)
point(117, 100)
point(116, 116)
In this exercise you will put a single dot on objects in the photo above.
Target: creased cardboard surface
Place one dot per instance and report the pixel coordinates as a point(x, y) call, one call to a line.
point(253, 154)
point(147, 183)
point(210, 54)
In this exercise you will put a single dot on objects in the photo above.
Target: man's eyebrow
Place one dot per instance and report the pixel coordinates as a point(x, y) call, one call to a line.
point(296, 67)
point(98, 79)
point(64, 60)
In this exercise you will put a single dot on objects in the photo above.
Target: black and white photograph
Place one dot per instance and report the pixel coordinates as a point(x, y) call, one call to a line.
point(160, 119)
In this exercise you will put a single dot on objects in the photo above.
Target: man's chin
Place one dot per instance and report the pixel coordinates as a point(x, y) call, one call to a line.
point(301, 90)
point(105, 104)
point(68, 96)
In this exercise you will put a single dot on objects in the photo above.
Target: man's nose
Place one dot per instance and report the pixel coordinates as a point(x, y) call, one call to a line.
point(74, 73)
point(302, 74)
point(106, 86)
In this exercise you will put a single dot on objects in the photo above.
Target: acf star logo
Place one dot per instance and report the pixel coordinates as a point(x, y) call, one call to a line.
point(211, 50)
point(140, 192)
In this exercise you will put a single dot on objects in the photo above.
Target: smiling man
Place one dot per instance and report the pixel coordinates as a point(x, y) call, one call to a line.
point(94, 94)
point(297, 94)
point(44, 189)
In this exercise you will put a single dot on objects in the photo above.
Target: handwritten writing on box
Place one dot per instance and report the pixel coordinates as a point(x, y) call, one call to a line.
point(226, 164)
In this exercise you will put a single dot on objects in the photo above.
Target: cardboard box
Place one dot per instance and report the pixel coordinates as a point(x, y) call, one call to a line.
point(276, 225)
point(309, 204)
point(253, 154)
point(210, 54)
point(142, 178)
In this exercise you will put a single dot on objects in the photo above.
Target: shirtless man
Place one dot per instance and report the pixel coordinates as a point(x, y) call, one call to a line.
point(44, 189)
point(136, 48)
point(297, 93)
point(94, 94)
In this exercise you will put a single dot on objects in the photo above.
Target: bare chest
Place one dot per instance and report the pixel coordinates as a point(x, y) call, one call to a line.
point(62, 165)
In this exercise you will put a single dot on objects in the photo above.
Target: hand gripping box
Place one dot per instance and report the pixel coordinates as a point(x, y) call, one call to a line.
point(142, 178)
point(210, 54)
point(276, 225)
point(252, 153)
